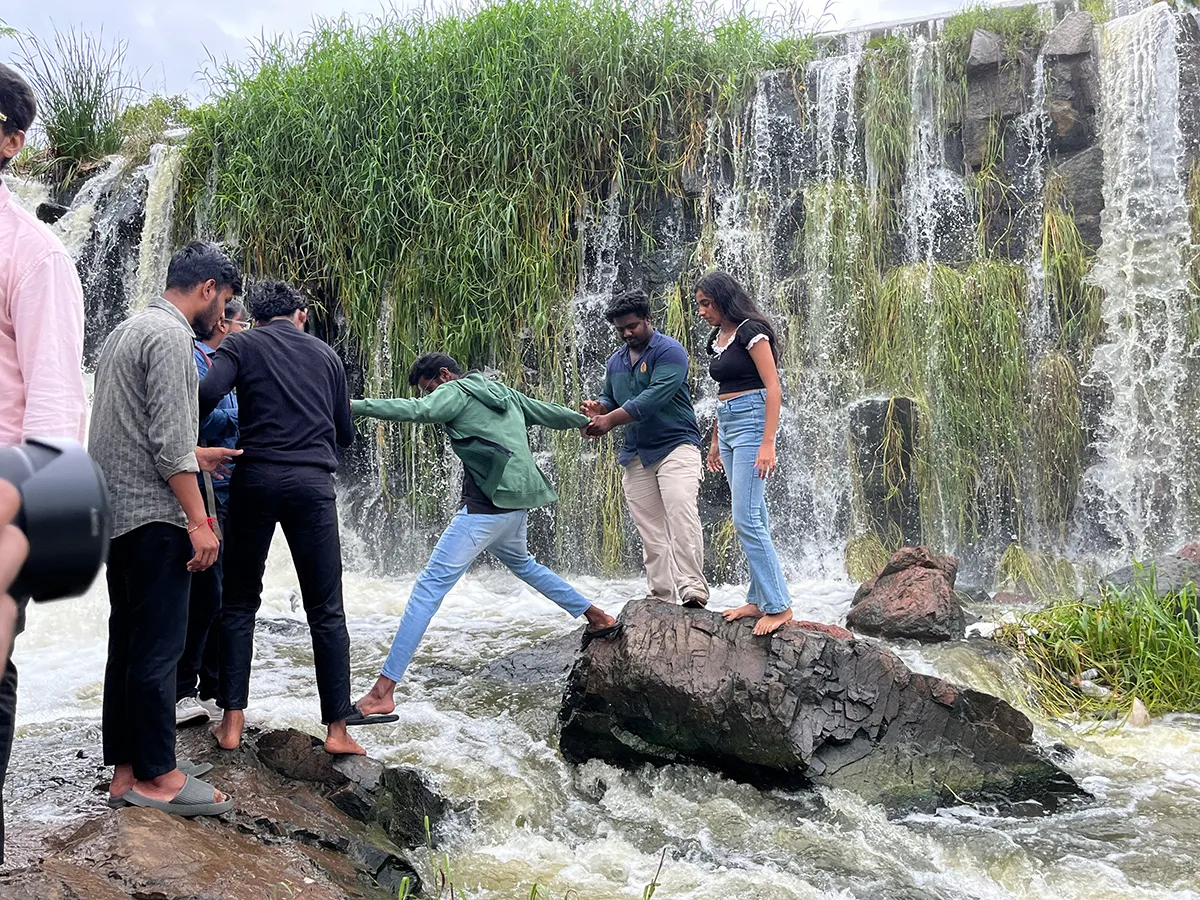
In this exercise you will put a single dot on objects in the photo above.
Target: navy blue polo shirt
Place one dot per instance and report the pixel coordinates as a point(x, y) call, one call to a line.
point(655, 392)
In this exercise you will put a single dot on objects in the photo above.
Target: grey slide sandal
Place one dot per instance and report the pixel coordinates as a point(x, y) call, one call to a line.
point(186, 766)
point(195, 799)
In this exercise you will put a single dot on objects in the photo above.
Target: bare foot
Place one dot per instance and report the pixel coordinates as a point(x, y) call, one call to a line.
point(339, 740)
point(750, 610)
point(228, 731)
point(767, 624)
point(122, 781)
point(598, 618)
point(380, 700)
point(167, 787)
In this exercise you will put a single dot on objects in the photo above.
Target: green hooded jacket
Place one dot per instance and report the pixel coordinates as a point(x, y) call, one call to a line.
point(487, 423)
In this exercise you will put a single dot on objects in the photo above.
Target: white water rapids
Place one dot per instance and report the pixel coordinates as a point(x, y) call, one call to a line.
point(601, 831)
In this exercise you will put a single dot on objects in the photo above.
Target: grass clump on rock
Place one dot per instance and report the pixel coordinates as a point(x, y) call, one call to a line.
point(1094, 658)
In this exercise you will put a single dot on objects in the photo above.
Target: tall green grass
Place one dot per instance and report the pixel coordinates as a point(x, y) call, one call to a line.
point(1140, 644)
point(953, 340)
point(885, 103)
point(82, 86)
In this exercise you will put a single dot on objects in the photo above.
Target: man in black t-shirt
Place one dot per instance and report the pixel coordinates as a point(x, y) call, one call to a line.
point(294, 414)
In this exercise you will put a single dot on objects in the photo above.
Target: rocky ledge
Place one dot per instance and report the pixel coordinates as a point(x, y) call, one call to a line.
point(801, 707)
point(306, 825)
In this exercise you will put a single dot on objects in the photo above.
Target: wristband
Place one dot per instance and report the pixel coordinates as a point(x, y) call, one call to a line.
point(210, 522)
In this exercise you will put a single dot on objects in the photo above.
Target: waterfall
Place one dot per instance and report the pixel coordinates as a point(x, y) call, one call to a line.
point(154, 252)
point(1136, 491)
point(1031, 182)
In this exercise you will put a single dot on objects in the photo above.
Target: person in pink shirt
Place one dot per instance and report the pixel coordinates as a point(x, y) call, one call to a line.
point(41, 344)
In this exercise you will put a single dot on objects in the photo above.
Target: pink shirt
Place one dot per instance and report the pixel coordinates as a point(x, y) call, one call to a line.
point(41, 331)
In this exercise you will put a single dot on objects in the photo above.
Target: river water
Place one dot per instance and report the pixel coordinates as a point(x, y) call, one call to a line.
point(601, 831)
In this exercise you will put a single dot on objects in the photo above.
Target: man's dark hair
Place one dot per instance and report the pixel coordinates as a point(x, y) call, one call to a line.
point(268, 299)
point(633, 302)
point(235, 308)
point(430, 365)
point(197, 263)
point(17, 104)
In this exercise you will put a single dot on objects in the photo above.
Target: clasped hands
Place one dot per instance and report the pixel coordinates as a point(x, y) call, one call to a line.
point(600, 422)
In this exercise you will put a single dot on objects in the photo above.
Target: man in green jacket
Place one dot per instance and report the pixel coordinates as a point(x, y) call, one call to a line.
point(486, 422)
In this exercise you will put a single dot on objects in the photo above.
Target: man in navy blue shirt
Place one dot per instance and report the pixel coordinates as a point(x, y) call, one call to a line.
point(646, 391)
point(196, 672)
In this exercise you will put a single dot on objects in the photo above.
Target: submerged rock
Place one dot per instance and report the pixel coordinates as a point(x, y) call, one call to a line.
point(912, 597)
point(305, 824)
point(798, 708)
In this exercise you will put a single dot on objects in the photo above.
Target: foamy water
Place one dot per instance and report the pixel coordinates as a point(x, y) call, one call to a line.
point(601, 831)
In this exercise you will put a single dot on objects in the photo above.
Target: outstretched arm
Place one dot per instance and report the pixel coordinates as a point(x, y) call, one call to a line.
point(551, 415)
point(441, 406)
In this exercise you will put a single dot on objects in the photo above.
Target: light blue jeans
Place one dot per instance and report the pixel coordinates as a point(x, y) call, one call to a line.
point(741, 422)
point(504, 536)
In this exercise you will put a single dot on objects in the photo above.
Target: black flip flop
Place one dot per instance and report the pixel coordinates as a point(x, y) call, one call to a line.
point(357, 718)
point(607, 633)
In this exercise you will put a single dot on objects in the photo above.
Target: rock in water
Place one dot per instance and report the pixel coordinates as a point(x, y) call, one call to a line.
point(912, 597)
point(799, 708)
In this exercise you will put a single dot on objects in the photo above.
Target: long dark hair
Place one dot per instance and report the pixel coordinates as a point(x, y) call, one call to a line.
point(735, 304)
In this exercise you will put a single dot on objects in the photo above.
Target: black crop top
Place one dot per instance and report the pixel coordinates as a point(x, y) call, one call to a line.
point(732, 367)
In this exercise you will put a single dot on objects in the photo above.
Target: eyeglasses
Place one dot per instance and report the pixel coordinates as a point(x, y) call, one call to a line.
point(237, 324)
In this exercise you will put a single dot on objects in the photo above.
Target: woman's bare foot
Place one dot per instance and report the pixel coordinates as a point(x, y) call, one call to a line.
point(379, 701)
point(767, 624)
point(339, 740)
point(750, 611)
point(228, 731)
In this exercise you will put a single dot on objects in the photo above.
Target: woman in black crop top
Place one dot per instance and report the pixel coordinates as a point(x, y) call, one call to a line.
point(743, 357)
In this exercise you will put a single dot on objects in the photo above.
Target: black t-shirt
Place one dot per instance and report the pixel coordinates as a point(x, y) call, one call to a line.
point(733, 367)
point(476, 501)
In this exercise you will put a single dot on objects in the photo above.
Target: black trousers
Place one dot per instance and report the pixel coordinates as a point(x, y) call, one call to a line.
point(8, 710)
point(200, 663)
point(301, 500)
point(148, 585)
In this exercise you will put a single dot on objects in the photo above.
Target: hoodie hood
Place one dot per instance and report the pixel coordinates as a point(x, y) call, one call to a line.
point(491, 394)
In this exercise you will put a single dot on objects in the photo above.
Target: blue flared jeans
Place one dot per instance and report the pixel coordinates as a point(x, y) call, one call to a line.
point(467, 536)
point(741, 422)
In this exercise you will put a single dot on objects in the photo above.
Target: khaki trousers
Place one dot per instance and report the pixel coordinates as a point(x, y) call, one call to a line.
point(662, 500)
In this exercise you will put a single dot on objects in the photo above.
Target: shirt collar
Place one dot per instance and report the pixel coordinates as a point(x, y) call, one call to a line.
point(204, 348)
point(172, 309)
point(653, 340)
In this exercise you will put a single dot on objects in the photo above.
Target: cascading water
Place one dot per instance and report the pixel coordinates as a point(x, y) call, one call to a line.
point(155, 248)
point(1136, 495)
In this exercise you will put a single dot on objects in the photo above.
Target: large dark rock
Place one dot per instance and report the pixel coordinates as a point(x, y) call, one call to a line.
point(798, 707)
point(883, 439)
point(287, 836)
point(912, 597)
point(397, 798)
point(1073, 36)
point(1083, 185)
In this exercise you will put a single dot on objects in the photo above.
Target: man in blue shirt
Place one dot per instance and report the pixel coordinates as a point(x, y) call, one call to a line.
point(196, 673)
point(646, 391)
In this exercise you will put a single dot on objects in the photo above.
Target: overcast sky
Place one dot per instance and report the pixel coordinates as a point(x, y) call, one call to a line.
point(170, 40)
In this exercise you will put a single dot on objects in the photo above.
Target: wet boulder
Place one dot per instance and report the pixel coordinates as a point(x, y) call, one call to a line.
point(1166, 574)
point(911, 597)
point(800, 707)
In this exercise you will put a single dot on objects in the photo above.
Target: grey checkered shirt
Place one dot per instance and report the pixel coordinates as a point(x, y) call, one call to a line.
point(145, 415)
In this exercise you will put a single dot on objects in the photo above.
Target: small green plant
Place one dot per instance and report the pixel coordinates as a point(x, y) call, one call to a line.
point(83, 87)
point(7, 30)
point(1067, 261)
point(885, 103)
point(1101, 10)
point(1094, 658)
